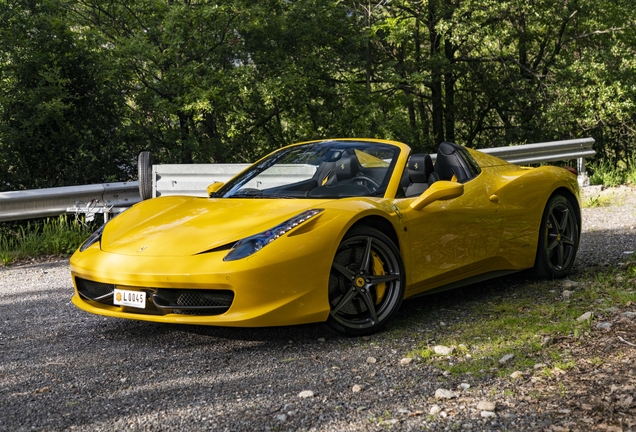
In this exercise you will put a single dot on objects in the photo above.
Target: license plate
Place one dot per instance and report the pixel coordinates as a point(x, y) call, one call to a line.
point(136, 299)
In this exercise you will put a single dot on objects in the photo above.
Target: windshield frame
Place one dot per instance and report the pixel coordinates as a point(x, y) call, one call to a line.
point(236, 185)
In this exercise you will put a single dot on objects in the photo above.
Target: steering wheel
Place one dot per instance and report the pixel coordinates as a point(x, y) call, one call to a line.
point(368, 180)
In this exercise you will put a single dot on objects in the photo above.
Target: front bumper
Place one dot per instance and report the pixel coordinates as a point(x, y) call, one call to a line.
point(271, 288)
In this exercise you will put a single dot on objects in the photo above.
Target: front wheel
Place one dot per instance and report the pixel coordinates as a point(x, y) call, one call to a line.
point(558, 239)
point(366, 283)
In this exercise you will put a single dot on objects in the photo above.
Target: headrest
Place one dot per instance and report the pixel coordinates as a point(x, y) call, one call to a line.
point(347, 167)
point(447, 148)
point(420, 167)
point(450, 162)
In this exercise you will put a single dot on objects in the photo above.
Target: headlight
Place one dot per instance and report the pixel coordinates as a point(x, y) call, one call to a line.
point(94, 238)
point(250, 245)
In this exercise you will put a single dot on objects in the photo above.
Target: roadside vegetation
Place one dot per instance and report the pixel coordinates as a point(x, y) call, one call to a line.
point(51, 236)
point(514, 324)
point(85, 86)
point(598, 201)
point(612, 175)
point(607, 175)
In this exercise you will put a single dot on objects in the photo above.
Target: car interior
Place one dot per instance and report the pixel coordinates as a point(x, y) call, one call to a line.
point(340, 173)
point(453, 163)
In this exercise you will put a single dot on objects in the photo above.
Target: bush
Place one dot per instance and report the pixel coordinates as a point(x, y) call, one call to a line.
point(606, 174)
point(50, 236)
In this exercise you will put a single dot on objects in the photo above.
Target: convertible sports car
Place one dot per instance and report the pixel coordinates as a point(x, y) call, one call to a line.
point(334, 230)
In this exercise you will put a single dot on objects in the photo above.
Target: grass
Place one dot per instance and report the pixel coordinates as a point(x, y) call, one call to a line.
point(598, 201)
point(523, 321)
point(605, 173)
point(51, 236)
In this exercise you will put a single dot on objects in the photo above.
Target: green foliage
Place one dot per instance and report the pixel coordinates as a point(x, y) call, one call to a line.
point(519, 324)
point(597, 201)
point(60, 106)
point(604, 174)
point(611, 175)
point(58, 236)
point(84, 86)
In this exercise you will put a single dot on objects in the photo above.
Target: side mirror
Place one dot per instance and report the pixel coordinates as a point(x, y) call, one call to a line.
point(214, 187)
point(440, 190)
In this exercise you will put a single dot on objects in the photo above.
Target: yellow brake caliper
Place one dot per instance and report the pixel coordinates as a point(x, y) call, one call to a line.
point(378, 270)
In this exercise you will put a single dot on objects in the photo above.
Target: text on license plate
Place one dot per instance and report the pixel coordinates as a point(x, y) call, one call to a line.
point(135, 299)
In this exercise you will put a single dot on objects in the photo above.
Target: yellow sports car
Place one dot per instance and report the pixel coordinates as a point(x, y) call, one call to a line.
point(334, 230)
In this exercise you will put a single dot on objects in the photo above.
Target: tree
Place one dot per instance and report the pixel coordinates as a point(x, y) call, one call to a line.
point(86, 85)
point(58, 106)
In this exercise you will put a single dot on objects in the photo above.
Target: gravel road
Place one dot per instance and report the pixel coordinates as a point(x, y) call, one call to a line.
point(64, 369)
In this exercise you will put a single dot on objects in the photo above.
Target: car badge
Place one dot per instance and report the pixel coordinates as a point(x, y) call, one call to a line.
point(416, 166)
point(342, 166)
point(141, 249)
point(396, 209)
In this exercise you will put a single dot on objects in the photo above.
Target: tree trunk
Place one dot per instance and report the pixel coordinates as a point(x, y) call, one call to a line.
point(449, 88)
point(184, 129)
point(436, 77)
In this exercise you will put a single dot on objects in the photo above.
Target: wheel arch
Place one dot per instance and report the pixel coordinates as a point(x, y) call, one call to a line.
point(382, 225)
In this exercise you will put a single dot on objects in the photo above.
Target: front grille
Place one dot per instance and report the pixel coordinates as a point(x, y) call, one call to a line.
point(163, 300)
point(193, 298)
point(96, 291)
point(194, 302)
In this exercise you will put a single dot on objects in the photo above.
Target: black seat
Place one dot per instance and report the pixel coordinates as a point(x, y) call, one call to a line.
point(432, 178)
point(347, 167)
point(451, 162)
point(419, 167)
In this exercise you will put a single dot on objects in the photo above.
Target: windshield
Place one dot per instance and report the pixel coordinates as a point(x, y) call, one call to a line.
point(327, 169)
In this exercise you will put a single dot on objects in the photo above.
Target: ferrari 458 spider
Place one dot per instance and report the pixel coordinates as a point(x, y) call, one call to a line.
point(335, 230)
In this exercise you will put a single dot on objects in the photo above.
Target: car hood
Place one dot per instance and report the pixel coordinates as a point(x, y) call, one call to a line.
point(182, 226)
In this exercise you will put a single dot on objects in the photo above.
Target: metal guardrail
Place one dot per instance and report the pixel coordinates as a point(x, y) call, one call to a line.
point(89, 199)
point(193, 179)
point(179, 179)
point(545, 152)
point(551, 151)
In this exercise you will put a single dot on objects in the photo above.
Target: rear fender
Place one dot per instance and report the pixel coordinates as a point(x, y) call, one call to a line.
point(522, 201)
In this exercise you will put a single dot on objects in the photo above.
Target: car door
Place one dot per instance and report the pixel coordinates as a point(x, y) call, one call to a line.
point(451, 239)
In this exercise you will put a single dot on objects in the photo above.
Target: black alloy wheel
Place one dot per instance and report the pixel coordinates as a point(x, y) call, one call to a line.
point(558, 239)
point(366, 283)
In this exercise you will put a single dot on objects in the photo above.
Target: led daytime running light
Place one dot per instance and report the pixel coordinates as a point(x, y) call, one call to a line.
point(94, 238)
point(250, 245)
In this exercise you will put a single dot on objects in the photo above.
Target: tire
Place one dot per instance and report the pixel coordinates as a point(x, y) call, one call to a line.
point(144, 169)
point(558, 239)
point(366, 283)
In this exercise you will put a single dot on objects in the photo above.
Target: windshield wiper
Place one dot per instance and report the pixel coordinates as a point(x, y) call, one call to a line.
point(262, 196)
point(277, 196)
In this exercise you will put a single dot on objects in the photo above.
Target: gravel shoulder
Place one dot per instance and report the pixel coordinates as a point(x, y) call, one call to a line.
point(63, 369)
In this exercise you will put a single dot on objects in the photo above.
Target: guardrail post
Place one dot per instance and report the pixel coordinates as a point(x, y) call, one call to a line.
point(583, 179)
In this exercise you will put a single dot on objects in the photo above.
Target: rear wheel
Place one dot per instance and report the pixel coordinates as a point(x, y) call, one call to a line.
point(558, 239)
point(366, 283)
